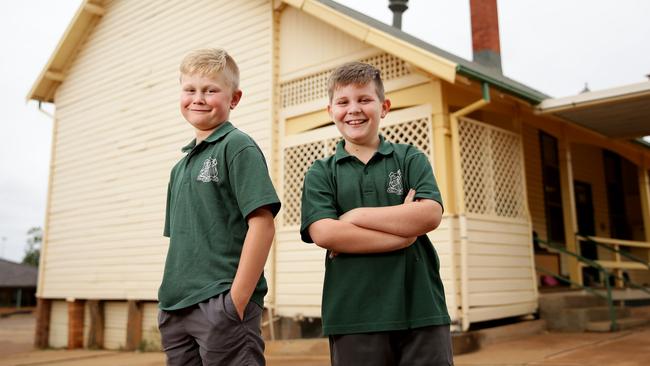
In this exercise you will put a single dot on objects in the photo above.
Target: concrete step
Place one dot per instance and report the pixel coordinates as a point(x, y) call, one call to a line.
point(576, 319)
point(583, 301)
point(601, 313)
point(626, 323)
point(551, 304)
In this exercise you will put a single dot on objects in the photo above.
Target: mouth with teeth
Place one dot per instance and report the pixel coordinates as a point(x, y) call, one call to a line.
point(355, 122)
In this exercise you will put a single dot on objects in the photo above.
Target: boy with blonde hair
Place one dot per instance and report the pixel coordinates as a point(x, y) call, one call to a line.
point(370, 205)
point(219, 219)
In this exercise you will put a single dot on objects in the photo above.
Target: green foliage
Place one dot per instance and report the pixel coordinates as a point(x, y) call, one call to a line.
point(33, 250)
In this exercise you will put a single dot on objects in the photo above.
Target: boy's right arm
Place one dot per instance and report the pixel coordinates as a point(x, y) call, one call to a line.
point(321, 224)
point(344, 237)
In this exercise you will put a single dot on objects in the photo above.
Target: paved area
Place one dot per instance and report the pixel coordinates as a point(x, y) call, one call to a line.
point(626, 348)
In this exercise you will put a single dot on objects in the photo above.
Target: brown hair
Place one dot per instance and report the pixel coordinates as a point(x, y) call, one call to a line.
point(211, 62)
point(355, 73)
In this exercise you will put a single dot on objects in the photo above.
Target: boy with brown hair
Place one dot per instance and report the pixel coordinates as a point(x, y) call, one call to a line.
point(370, 205)
point(219, 218)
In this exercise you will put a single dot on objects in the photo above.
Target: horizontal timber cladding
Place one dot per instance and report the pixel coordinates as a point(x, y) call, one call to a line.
point(501, 279)
point(115, 318)
point(500, 268)
point(58, 337)
point(300, 269)
point(150, 332)
point(113, 151)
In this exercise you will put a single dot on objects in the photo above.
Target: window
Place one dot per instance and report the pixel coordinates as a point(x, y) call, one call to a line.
point(552, 190)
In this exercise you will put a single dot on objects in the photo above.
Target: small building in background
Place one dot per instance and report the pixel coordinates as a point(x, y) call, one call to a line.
point(17, 285)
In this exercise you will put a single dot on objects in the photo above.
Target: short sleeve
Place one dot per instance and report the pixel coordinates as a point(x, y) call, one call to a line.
point(421, 179)
point(250, 182)
point(318, 199)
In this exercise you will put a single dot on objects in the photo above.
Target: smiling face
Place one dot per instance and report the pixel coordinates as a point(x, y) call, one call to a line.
point(206, 102)
point(356, 109)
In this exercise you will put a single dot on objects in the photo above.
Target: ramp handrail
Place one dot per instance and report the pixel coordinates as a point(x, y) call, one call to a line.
point(590, 263)
point(607, 244)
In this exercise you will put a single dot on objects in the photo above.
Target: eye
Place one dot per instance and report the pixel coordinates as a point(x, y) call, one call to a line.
point(212, 91)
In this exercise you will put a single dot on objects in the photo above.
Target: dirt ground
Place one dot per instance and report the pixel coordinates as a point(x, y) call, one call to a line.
point(625, 348)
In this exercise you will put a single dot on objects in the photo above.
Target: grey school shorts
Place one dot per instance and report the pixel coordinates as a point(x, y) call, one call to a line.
point(211, 333)
point(426, 346)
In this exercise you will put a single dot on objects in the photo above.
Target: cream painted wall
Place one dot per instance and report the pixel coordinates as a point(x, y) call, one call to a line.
point(58, 336)
point(320, 44)
point(119, 132)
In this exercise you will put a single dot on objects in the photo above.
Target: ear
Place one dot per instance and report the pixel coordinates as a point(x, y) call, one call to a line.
point(329, 111)
point(385, 107)
point(236, 97)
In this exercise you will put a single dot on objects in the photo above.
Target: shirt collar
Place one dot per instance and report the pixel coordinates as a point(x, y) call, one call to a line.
point(385, 148)
point(216, 135)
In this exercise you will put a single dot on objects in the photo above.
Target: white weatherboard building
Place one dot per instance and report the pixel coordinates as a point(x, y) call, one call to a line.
point(506, 164)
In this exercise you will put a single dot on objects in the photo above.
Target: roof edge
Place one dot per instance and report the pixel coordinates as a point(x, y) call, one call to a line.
point(533, 98)
point(338, 16)
point(52, 74)
point(597, 97)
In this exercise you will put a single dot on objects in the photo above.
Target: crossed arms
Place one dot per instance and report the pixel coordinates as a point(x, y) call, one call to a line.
point(377, 229)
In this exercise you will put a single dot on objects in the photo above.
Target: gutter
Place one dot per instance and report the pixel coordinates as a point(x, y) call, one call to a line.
point(40, 109)
point(528, 96)
point(460, 200)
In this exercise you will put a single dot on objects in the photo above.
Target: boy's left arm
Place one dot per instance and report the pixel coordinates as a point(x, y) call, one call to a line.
point(257, 244)
point(258, 202)
point(410, 218)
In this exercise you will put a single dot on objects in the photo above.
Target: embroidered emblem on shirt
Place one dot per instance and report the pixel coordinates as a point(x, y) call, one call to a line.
point(209, 172)
point(395, 182)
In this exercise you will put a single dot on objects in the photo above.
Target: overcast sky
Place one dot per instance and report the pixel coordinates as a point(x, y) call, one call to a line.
point(554, 46)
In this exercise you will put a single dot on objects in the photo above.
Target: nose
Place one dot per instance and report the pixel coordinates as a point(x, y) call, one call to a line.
point(354, 108)
point(199, 98)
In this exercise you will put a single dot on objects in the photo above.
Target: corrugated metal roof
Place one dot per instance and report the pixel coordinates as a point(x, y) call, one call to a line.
point(464, 67)
point(621, 112)
point(17, 275)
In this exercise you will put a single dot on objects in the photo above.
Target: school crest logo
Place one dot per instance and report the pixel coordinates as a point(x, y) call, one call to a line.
point(395, 182)
point(209, 171)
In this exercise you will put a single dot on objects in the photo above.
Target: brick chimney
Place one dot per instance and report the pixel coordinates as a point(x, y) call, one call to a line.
point(485, 33)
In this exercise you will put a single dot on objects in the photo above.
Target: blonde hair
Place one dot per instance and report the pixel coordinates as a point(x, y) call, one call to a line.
point(358, 73)
point(211, 62)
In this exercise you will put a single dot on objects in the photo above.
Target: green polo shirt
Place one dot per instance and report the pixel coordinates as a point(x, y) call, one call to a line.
point(366, 293)
point(211, 192)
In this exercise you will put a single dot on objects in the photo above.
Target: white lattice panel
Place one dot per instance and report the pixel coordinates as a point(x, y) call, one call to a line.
point(493, 170)
point(409, 126)
point(297, 160)
point(314, 87)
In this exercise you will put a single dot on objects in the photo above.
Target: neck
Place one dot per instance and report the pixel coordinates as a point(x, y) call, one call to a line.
point(363, 151)
point(203, 134)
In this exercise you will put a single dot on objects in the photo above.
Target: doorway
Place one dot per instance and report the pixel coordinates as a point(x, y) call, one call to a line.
point(587, 227)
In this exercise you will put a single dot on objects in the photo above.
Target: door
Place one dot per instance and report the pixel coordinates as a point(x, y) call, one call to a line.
point(586, 227)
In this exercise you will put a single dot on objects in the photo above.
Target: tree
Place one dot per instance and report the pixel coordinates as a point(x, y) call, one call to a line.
point(33, 250)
